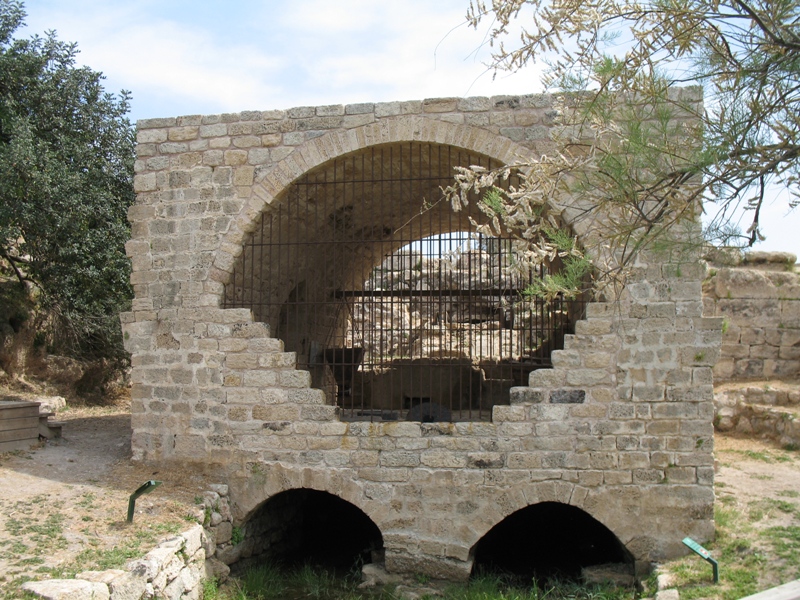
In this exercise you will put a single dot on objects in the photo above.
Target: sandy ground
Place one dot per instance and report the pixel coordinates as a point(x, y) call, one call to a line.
point(753, 469)
point(63, 505)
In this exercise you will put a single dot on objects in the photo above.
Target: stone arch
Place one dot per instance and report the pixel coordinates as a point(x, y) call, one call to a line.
point(318, 151)
point(252, 492)
point(607, 507)
point(516, 499)
point(302, 525)
point(328, 237)
point(550, 539)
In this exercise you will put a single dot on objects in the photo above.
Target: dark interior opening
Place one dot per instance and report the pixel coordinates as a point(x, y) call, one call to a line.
point(547, 541)
point(309, 527)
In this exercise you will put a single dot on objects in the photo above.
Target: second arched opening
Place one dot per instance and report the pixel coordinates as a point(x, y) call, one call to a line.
point(551, 541)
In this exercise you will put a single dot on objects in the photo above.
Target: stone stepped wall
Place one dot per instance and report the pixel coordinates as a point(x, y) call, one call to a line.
point(620, 428)
point(173, 570)
point(758, 297)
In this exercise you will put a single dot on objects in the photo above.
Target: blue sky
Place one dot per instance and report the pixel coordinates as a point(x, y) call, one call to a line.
point(181, 57)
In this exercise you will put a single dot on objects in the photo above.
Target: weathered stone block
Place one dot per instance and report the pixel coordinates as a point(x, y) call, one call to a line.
point(261, 378)
point(128, 586)
point(567, 396)
point(294, 379)
point(439, 105)
point(399, 459)
point(476, 103)
point(235, 158)
point(319, 413)
point(617, 477)
point(330, 110)
point(485, 460)
point(439, 459)
point(396, 475)
point(316, 123)
point(223, 532)
point(182, 134)
point(508, 413)
point(546, 378)
point(276, 412)
point(67, 589)
point(594, 326)
point(522, 395)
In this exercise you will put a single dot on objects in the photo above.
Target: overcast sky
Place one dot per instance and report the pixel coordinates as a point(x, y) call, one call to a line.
point(181, 57)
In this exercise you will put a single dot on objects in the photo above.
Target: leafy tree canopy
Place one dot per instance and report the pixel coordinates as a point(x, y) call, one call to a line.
point(66, 169)
point(634, 141)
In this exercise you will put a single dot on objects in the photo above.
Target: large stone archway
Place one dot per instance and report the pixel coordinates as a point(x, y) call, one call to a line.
point(620, 427)
point(330, 146)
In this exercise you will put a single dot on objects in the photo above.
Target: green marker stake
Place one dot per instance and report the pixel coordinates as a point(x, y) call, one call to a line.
point(145, 488)
point(704, 554)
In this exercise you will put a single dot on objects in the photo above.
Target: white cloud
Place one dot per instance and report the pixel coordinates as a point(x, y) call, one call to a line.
point(203, 58)
point(388, 51)
point(181, 62)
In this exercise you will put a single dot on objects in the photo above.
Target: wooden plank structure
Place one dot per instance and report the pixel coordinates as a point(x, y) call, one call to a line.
point(19, 425)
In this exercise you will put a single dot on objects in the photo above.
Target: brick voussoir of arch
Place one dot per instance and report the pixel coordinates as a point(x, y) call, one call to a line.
point(318, 151)
point(284, 478)
point(530, 495)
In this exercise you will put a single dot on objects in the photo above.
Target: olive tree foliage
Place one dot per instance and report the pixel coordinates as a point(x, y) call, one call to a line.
point(664, 108)
point(66, 169)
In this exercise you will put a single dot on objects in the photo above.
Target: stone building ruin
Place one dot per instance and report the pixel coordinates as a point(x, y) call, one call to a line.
point(315, 327)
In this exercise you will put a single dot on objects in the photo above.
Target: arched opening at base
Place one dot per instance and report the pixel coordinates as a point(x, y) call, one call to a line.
point(548, 541)
point(309, 527)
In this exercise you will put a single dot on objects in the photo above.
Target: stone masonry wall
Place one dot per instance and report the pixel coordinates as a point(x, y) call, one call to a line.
point(758, 297)
point(621, 427)
point(173, 570)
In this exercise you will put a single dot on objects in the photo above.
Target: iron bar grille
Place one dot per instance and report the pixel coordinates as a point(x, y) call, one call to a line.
point(391, 300)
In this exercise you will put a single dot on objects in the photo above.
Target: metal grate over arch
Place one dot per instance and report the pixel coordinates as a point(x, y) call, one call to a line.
point(391, 300)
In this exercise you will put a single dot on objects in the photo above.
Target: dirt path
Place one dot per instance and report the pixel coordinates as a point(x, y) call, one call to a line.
point(752, 470)
point(63, 505)
point(757, 517)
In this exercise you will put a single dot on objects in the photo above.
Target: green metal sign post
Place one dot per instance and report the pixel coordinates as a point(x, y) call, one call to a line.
point(704, 554)
point(145, 488)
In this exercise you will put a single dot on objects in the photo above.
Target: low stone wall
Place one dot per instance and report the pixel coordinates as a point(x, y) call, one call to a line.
point(174, 570)
point(228, 544)
point(759, 409)
point(758, 296)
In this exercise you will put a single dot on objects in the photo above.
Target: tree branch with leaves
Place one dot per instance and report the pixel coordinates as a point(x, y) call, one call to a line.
point(634, 144)
point(66, 173)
